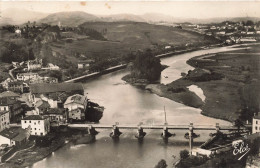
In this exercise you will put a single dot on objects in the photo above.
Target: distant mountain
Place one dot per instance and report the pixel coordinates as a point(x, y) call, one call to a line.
point(122, 17)
point(19, 16)
point(69, 18)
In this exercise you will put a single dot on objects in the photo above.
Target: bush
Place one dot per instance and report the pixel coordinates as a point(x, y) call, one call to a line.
point(184, 154)
point(161, 164)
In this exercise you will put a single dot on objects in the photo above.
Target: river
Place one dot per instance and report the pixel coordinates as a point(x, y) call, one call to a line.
point(128, 104)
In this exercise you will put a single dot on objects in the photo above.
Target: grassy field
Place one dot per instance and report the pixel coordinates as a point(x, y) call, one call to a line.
point(124, 37)
point(237, 94)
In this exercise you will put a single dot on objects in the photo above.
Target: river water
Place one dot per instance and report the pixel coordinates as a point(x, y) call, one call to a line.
point(128, 104)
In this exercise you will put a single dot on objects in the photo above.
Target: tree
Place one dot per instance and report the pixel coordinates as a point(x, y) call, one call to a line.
point(161, 164)
point(146, 66)
point(184, 154)
point(249, 23)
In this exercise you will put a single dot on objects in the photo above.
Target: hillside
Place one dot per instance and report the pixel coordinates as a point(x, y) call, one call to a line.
point(121, 39)
point(68, 18)
point(145, 35)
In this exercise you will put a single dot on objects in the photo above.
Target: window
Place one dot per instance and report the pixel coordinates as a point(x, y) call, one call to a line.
point(24, 121)
point(34, 128)
point(30, 122)
point(255, 128)
point(41, 134)
point(39, 122)
point(35, 133)
point(34, 123)
point(256, 122)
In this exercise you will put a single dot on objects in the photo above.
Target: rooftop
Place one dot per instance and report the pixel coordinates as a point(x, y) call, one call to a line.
point(79, 99)
point(5, 101)
point(33, 117)
point(8, 94)
point(14, 133)
point(257, 117)
point(41, 88)
point(55, 111)
point(27, 73)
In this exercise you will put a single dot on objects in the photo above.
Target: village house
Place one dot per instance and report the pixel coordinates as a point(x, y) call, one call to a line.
point(56, 115)
point(52, 67)
point(4, 119)
point(256, 123)
point(14, 136)
point(27, 76)
point(44, 80)
point(84, 64)
point(38, 125)
point(13, 106)
point(76, 106)
point(54, 93)
point(35, 64)
point(41, 107)
point(16, 86)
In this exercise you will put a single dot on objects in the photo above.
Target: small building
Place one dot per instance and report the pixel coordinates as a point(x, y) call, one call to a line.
point(4, 119)
point(256, 123)
point(76, 101)
point(76, 105)
point(14, 136)
point(13, 106)
point(16, 86)
point(27, 76)
point(42, 106)
point(57, 115)
point(34, 64)
point(84, 64)
point(52, 67)
point(76, 114)
point(38, 125)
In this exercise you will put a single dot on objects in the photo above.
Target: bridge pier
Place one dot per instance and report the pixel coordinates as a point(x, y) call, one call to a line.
point(191, 137)
point(140, 133)
point(115, 132)
point(217, 130)
point(166, 134)
point(92, 131)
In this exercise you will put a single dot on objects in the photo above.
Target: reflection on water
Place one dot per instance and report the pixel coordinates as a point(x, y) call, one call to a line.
point(127, 104)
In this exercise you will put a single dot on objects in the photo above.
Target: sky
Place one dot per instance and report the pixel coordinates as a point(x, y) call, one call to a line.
point(183, 9)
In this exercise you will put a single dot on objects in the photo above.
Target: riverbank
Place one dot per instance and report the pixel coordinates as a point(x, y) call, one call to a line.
point(229, 82)
point(44, 147)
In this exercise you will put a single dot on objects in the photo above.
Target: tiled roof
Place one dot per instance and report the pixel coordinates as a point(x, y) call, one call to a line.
point(55, 111)
point(5, 101)
point(257, 117)
point(15, 133)
point(34, 117)
point(41, 88)
point(8, 94)
point(78, 99)
point(9, 133)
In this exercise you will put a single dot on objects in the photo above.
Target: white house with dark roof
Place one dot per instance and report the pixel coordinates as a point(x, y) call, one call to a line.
point(38, 125)
point(27, 76)
point(76, 105)
point(14, 136)
point(256, 123)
